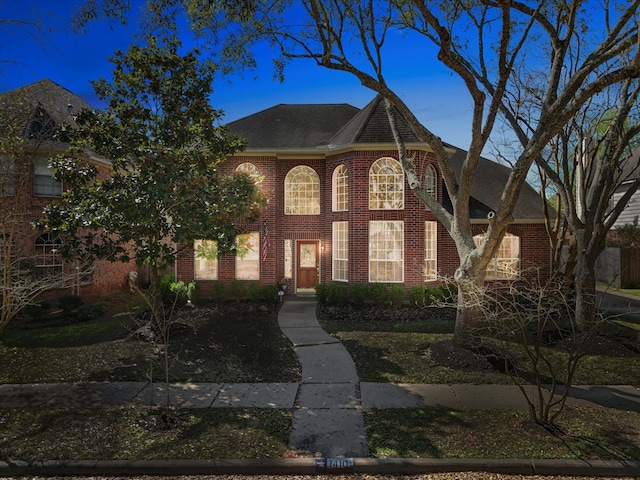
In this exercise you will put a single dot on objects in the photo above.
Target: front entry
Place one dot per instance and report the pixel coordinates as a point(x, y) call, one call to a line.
point(308, 265)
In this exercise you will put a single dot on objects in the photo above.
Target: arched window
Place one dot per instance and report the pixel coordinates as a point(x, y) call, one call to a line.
point(386, 185)
point(505, 264)
point(48, 260)
point(302, 191)
point(340, 189)
point(431, 181)
point(251, 171)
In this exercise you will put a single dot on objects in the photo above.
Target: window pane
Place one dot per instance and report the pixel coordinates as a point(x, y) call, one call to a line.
point(506, 262)
point(302, 191)
point(206, 259)
point(386, 251)
point(44, 184)
point(340, 189)
point(48, 260)
point(340, 251)
point(386, 185)
point(252, 171)
point(248, 256)
point(430, 250)
point(288, 259)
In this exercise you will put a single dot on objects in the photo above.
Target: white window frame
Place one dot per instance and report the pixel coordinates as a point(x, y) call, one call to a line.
point(302, 191)
point(48, 261)
point(43, 183)
point(248, 256)
point(430, 251)
point(340, 251)
point(431, 181)
point(386, 185)
point(504, 265)
point(386, 251)
point(251, 171)
point(288, 258)
point(205, 258)
point(340, 183)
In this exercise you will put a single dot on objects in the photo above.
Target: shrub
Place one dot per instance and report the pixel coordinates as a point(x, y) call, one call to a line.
point(359, 293)
point(254, 292)
point(418, 295)
point(396, 294)
point(378, 293)
point(89, 312)
point(165, 287)
point(321, 292)
point(336, 293)
point(269, 292)
point(69, 303)
point(238, 289)
point(218, 293)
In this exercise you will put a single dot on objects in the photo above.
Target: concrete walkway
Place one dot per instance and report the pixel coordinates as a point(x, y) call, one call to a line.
point(327, 402)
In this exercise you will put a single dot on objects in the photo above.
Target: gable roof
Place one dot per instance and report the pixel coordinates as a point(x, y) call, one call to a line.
point(327, 127)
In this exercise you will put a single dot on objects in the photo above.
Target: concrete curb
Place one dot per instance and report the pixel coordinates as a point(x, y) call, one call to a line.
point(311, 466)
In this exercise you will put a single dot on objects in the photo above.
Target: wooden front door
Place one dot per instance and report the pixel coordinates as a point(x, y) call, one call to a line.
point(308, 264)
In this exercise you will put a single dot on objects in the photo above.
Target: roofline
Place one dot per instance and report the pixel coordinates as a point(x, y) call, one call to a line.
point(333, 150)
point(518, 221)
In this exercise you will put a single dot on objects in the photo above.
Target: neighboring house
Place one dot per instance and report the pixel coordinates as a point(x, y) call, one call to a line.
point(630, 174)
point(27, 185)
point(339, 207)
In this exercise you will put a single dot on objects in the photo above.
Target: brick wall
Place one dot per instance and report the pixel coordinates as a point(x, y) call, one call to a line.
point(534, 245)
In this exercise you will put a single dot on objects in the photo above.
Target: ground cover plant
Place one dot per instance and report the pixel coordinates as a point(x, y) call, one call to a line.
point(213, 342)
point(241, 342)
point(413, 345)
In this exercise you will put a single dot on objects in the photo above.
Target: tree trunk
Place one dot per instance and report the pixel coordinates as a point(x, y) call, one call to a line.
point(585, 283)
point(469, 314)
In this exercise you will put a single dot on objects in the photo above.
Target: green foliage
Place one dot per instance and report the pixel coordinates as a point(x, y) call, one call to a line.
point(423, 295)
point(396, 294)
point(322, 292)
point(165, 144)
point(378, 292)
point(89, 312)
point(269, 292)
point(238, 289)
point(629, 234)
point(218, 293)
point(69, 303)
point(165, 287)
point(336, 293)
point(254, 291)
point(171, 291)
point(359, 293)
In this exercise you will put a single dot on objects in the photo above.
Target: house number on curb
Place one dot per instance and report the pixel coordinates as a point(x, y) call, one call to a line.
point(334, 465)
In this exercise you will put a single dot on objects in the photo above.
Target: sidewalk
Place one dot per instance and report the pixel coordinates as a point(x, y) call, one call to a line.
point(327, 402)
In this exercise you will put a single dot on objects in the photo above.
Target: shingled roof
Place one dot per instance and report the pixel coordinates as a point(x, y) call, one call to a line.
point(326, 127)
point(41, 107)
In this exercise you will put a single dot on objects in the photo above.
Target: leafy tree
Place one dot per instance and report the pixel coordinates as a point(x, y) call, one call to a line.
point(482, 42)
point(165, 145)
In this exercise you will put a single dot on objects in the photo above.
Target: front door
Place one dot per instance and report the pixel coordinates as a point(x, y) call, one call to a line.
point(308, 271)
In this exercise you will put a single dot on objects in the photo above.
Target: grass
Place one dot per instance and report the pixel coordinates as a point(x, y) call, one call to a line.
point(242, 343)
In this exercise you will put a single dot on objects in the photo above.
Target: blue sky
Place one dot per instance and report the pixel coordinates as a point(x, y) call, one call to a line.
point(438, 99)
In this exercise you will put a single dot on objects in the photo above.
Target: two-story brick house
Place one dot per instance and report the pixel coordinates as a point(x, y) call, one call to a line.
point(339, 208)
point(34, 112)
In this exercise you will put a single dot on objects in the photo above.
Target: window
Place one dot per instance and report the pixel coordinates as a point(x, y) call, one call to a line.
point(248, 256)
point(506, 262)
point(386, 185)
point(386, 251)
point(430, 250)
point(302, 191)
point(44, 183)
point(340, 189)
point(206, 259)
point(251, 171)
point(340, 251)
point(7, 176)
point(288, 258)
point(431, 181)
point(48, 260)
